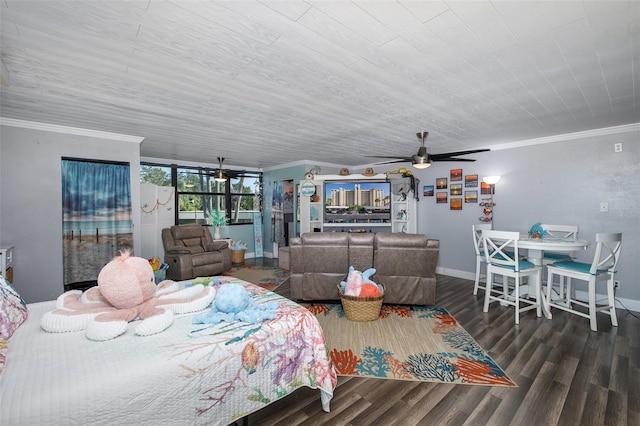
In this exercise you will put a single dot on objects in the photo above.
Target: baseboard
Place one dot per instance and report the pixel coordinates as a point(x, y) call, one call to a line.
point(456, 273)
point(621, 303)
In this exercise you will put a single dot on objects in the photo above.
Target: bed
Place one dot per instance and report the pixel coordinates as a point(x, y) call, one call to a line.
point(188, 374)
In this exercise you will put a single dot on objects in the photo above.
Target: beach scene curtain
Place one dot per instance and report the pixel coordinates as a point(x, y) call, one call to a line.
point(277, 214)
point(96, 218)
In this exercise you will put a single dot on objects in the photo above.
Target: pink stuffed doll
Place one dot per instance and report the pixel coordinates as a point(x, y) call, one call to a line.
point(126, 291)
point(353, 283)
point(360, 283)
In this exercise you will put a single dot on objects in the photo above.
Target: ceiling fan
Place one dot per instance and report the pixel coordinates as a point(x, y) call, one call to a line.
point(220, 175)
point(423, 159)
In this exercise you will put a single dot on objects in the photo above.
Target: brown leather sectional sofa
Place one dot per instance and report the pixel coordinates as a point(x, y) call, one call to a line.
point(405, 263)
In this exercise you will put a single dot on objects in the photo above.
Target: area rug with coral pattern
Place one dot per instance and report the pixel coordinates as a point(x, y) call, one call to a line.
point(266, 277)
point(420, 343)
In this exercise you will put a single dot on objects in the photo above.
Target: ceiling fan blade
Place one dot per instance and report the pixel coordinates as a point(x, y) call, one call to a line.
point(400, 160)
point(443, 156)
point(388, 156)
point(422, 152)
point(470, 160)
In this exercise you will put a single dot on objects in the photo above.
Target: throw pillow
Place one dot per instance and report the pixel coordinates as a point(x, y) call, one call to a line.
point(4, 348)
point(13, 310)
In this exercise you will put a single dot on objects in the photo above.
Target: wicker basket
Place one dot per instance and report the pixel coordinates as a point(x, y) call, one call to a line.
point(361, 308)
point(237, 257)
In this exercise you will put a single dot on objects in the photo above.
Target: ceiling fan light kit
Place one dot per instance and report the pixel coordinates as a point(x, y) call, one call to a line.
point(219, 176)
point(421, 162)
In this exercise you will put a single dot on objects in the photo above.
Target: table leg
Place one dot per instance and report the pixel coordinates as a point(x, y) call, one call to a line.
point(534, 256)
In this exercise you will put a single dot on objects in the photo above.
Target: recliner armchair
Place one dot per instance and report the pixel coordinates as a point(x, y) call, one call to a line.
point(190, 252)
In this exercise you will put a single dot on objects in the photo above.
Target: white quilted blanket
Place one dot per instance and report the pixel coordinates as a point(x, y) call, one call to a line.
point(188, 374)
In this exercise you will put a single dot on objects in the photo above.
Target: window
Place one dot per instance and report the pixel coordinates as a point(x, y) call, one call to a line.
point(198, 194)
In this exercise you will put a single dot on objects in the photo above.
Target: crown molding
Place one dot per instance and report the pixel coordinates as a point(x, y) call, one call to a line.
point(606, 131)
point(32, 125)
point(167, 161)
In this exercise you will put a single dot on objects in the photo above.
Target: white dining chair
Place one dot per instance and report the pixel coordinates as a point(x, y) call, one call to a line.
point(506, 262)
point(560, 231)
point(602, 267)
point(479, 248)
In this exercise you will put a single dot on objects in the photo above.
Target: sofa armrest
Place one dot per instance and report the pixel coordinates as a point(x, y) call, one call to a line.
point(180, 266)
point(295, 256)
point(433, 252)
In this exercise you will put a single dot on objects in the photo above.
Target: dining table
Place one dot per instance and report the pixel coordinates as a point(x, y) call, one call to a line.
point(535, 252)
point(537, 246)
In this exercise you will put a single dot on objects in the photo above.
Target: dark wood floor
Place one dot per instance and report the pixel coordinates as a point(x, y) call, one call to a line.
point(566, 375)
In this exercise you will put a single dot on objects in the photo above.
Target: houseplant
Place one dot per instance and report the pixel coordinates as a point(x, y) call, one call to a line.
point(217, 219)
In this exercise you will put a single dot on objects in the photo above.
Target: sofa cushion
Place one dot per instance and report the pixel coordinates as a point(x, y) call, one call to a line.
point(326, 259)
point(208, 258)
point(325, 238)
point(181, 232)
point(194, 245)
point(387, 239)
point(361, 250)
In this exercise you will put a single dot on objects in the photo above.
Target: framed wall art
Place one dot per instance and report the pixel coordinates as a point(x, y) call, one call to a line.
point(441, 198)
point(442, 183)
point(456, 189)
point(456, 204)
point(485, 188)
point(455, 175)
point(470, 196)
point(427, 191)
point(471, 181)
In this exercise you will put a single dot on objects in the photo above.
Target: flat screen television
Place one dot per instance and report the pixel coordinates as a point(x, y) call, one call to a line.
point(357, 201)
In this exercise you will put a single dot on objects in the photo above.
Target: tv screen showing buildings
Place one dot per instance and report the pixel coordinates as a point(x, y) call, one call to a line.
point(357, 202)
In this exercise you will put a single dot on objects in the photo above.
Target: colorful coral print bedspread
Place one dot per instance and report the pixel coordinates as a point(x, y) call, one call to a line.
point(188, 374)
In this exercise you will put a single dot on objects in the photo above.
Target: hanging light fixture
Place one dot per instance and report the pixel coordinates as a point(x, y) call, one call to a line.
point(220, 176)
point(421, 160)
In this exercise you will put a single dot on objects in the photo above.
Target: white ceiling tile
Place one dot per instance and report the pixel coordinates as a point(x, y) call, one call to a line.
point(559, 13)
point(425, 10)
point(265, 83)
point(291, 9)
point(483, 20)
point(357, 20)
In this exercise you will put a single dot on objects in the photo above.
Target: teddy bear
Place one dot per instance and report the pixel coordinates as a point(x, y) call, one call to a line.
point(126, 291)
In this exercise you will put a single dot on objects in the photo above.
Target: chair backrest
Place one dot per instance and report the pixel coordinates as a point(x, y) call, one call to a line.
point(607, 252)
point(501, 248)
point(561, 231)
point(194, 237)
point(477, 237)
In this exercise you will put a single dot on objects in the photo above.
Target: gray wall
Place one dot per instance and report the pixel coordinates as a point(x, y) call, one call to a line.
point(560, 183)
point(31, 209)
